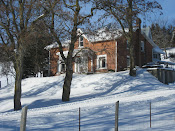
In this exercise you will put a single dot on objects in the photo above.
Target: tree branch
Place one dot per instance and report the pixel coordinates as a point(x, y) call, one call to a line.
point(119, 20)
point(60, 45)
point(28, 14)
point(92, 13)
point(69, 6)
point(21, 13)
point(13, 14)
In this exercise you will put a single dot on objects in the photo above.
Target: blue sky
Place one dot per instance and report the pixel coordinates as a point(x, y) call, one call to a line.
point(168, 12)
point(168, 8)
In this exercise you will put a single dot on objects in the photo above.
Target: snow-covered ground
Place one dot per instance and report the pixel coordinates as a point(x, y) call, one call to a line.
point(96, 95)
point(3, 78)
point(168, 51)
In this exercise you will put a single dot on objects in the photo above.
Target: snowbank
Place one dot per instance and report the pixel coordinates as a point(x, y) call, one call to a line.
point(96, 96)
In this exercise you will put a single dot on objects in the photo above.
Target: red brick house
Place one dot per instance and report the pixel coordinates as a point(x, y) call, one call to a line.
point(106, 51)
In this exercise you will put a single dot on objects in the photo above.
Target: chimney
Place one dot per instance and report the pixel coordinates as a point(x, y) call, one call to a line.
point(138, 23)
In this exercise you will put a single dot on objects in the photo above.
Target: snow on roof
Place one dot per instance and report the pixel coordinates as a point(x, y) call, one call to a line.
point(158, 50)
point(55, 45)
point(104, 35)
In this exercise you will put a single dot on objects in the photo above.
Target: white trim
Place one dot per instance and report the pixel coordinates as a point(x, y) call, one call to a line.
point(142, 46)
point(58, 66)
point(65, 54)
point(128, 57)
point(75, 67)
point(127, 45)
point(116, 57)
point(92, 65)
point(81, 41)
point(99, 56)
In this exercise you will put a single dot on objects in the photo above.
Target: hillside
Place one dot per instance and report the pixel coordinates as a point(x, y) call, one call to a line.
point(96, 95)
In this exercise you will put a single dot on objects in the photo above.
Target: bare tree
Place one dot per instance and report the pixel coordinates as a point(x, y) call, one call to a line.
point(125, 12)
point(66, 17)
point(162, 33)
point(7, 70)
point(16, 18)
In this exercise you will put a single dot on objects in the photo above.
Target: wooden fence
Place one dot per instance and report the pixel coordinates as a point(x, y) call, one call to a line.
point(164, 75)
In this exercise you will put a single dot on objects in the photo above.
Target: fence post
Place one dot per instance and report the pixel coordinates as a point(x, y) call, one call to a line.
point(163, 76)
point(79, 118)
point(23, 119)
point(116, 115)
point(150, 114)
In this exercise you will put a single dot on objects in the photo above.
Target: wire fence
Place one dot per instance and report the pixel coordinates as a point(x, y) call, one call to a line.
point(131, 116)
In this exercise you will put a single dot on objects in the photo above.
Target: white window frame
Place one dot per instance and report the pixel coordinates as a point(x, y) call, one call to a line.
point(60, 66)
point(99, 66)
point(142, 46)
point(128, 61)
point(127, 44)
point(77, 67)
point(81, 41)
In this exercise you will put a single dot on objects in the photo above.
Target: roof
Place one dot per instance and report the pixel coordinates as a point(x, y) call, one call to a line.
point(77, 52)
point(146, 32)
point(55, 45)
point(105, 34)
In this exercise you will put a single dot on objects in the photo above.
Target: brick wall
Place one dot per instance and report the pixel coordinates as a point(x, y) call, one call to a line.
point(54, 60)
point(109, 48)
point(122, 54)
point(141, 58)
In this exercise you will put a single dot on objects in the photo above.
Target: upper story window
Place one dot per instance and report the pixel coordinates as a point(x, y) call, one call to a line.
point(81, 41)
point(142, 46)
point(128, 61)
point(127, 44)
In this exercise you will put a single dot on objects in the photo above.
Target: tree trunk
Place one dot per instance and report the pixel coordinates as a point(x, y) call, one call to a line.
point(132, 60)
point(7, 79)
point(69, 59)
point(132, 47)
point(18, 68)
point(17, 95)
point(67, 81)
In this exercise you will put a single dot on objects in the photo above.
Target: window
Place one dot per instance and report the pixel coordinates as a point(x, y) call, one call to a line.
point(155, 56)
point(128, 61)
point(142, 45)
point(101, 62)
point(63, 67)
point(81, 41)
point(127, 44)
